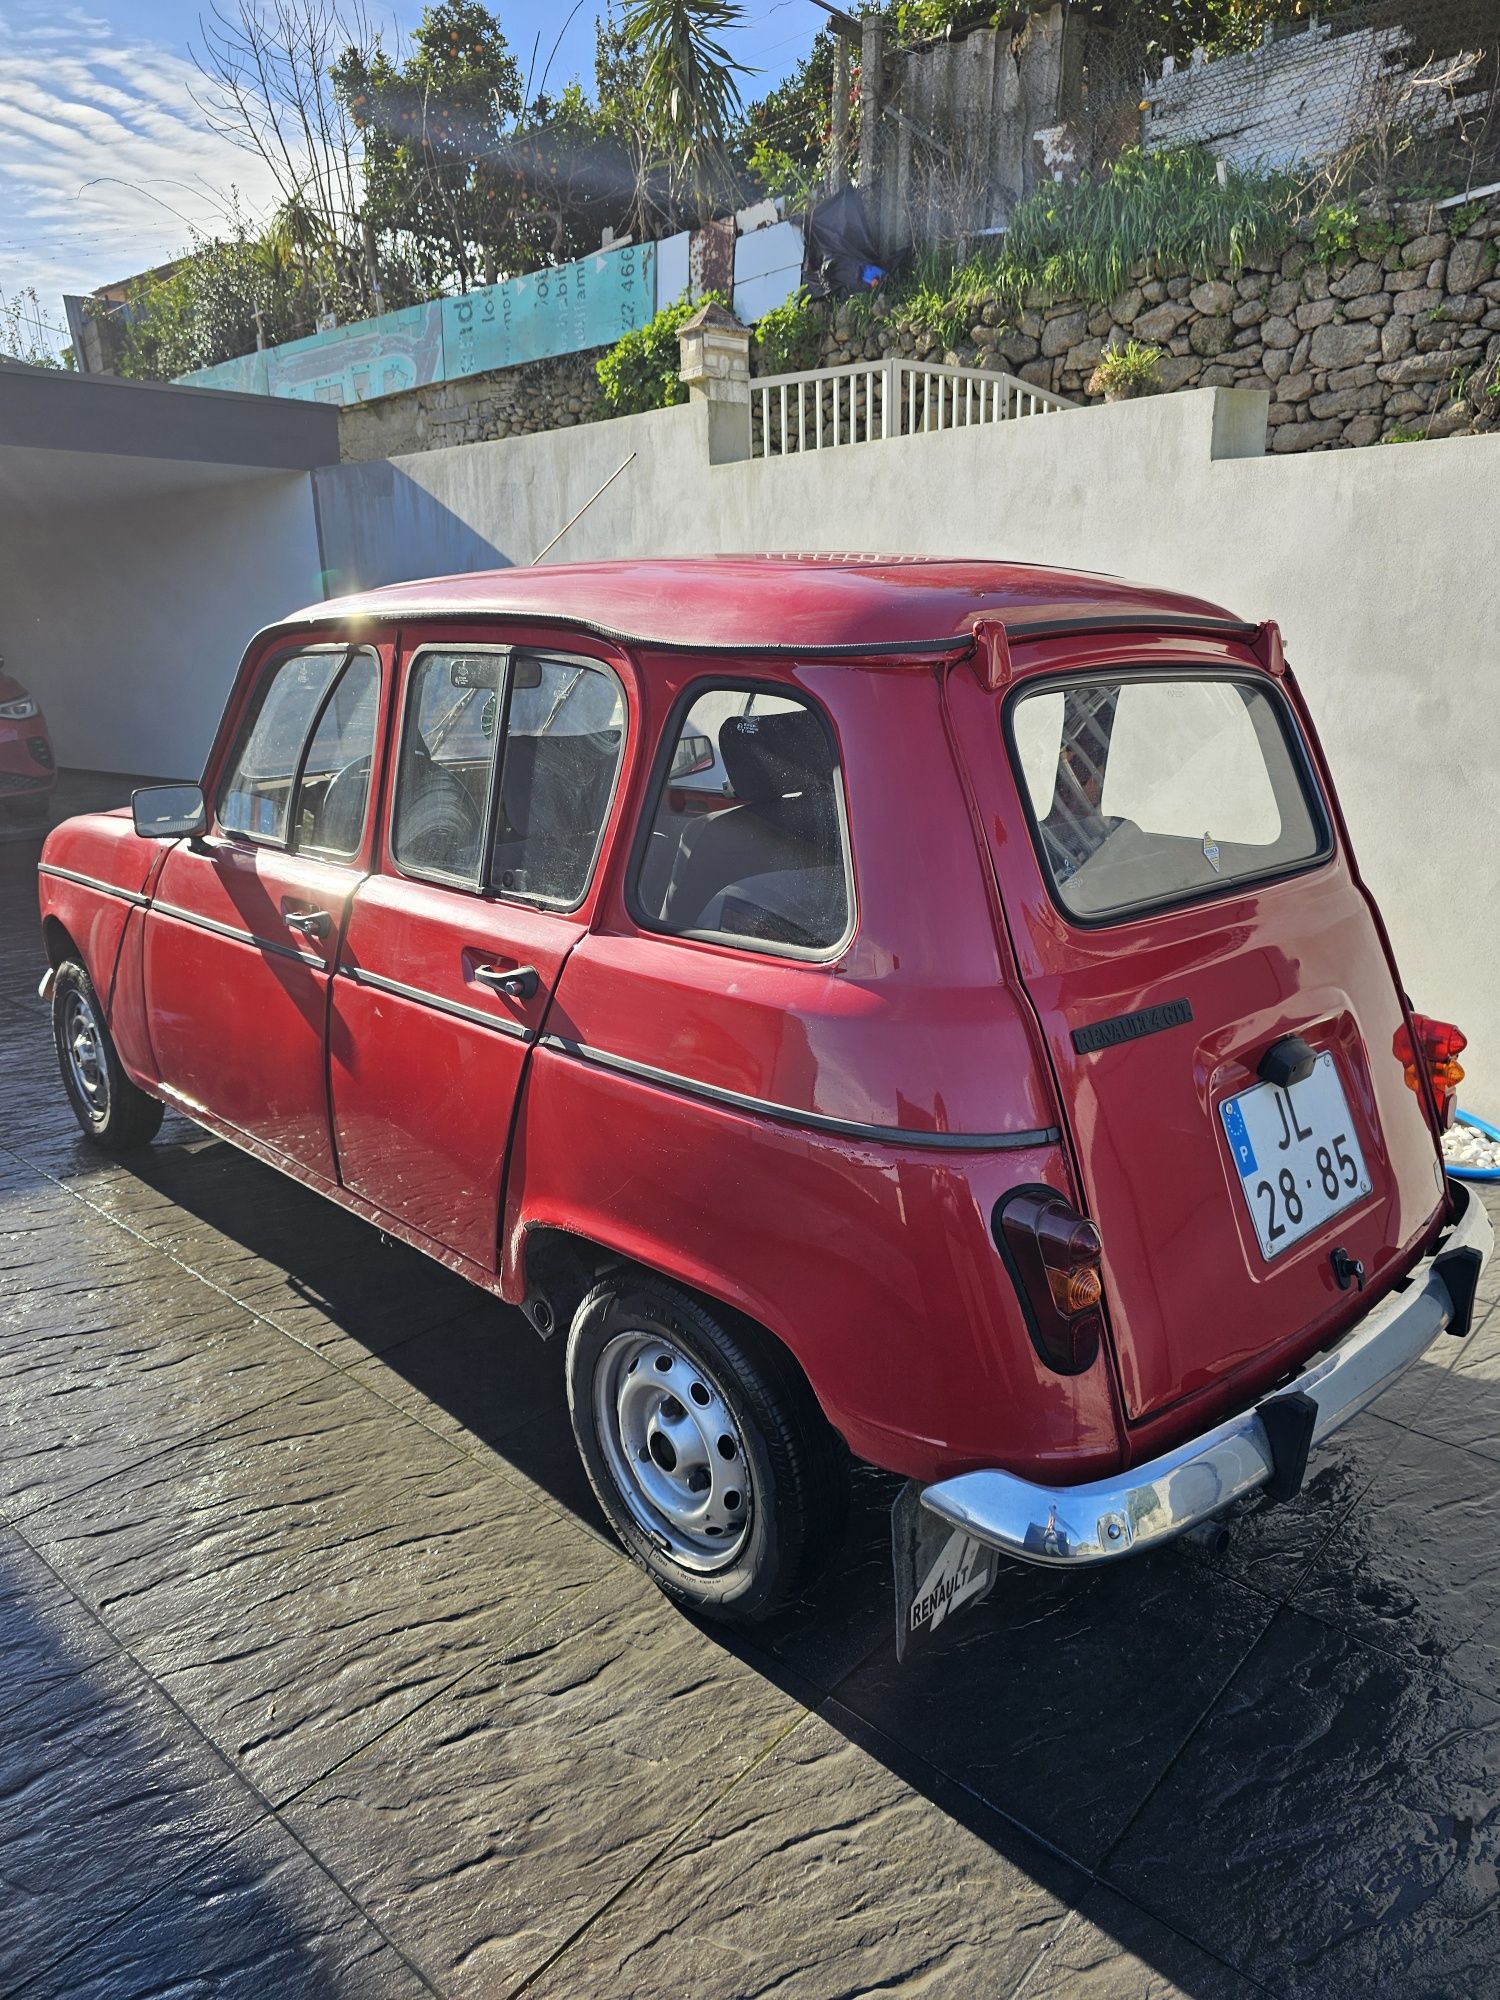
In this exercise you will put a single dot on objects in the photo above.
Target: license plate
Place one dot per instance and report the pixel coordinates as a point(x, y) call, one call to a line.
point(1298, 1158)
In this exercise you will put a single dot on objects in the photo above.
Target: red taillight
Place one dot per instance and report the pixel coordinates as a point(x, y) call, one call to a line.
point(1054, 1256)
point(1438, 1044)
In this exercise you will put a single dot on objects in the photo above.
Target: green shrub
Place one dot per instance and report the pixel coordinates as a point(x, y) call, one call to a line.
point(1132, 369)
point(640, 372)
point(786, 338)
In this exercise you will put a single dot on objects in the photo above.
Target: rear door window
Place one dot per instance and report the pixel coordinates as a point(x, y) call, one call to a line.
point(564, 734)
point(1151, 791)
point(746, 842)
point(555, 723)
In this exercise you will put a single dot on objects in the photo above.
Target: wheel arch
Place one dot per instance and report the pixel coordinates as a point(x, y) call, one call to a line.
point(562, 1266)
point(59, 943)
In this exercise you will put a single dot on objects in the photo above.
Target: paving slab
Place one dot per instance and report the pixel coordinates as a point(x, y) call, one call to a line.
point(1062, 1699)
point(105, 1793)
point(1333, 1828)
point(487, 1830)
point(110, 1353)
point(258, 1919)
point(47, 1633)
point(1109, 1949)
point(824, 1873)
point(301, 1578)
point(1415, 1568)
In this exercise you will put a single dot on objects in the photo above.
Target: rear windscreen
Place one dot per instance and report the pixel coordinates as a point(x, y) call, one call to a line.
point(1146, 791)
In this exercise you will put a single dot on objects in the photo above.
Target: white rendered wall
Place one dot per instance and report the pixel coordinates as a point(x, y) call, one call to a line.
point(127, 621)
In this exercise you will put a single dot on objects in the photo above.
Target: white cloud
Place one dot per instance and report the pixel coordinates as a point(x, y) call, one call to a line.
point(107, 165)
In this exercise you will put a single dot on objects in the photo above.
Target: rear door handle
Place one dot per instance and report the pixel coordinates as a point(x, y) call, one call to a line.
point(519, 982)
point(310, 923)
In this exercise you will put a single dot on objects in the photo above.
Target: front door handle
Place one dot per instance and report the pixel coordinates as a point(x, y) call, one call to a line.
point(310, 923)
point(518, 982)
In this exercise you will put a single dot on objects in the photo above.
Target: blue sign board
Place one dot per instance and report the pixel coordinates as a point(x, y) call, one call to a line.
point(563, 310)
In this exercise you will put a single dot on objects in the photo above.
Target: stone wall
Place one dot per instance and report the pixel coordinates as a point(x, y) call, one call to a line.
point(540, 396)
point(1403, 337)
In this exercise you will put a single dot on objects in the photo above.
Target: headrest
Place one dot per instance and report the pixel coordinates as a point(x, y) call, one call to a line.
point(767, 756)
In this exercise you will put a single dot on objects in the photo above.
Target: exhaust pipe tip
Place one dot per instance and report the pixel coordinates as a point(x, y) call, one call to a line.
point(1210, 1536)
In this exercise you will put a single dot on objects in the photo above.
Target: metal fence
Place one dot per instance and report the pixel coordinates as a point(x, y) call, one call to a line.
point(864, 401)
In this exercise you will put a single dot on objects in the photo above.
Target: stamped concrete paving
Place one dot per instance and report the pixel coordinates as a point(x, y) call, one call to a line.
point(319, 1676)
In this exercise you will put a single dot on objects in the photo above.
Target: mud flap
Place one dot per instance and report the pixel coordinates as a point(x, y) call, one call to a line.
point(939, 1569)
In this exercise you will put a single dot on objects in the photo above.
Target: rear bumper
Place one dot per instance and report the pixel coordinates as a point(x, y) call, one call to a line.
point(1074, 1526)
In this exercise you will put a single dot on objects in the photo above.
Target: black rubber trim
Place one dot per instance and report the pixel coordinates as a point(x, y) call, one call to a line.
point(1145, 621)
point(131, 896)
point(1460, 1272)
point(277, 947)
point(516, 1029)
point(1289, 1423)
point(814, 1121)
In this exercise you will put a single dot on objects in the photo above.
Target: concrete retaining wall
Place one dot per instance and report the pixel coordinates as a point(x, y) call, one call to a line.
point(1379, 565)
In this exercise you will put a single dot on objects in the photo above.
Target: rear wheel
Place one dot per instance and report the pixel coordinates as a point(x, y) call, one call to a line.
point(112, 1111)
point(705, 1447)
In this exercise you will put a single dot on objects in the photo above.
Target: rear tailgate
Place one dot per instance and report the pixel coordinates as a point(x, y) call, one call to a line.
point(1178, 904)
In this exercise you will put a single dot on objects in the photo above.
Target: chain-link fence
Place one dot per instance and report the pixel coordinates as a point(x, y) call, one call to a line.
point(1397, 100)
point(1393, 100)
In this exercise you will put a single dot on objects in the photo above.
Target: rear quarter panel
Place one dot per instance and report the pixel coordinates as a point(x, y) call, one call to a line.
point(872, 1263)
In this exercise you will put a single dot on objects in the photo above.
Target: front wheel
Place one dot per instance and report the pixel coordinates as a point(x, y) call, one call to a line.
point(113, 1112)
point(705, 1447)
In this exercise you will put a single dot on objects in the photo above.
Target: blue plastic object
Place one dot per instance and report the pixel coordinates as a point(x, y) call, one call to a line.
point(1490, 1132)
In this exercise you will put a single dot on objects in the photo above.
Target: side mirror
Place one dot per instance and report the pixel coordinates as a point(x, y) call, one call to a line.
point(168, 812)
point(692, 755)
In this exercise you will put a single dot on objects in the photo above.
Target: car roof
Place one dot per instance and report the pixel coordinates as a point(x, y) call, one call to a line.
point(804, 604)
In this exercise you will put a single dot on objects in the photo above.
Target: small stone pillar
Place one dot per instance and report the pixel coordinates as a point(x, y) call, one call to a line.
point(716, 368)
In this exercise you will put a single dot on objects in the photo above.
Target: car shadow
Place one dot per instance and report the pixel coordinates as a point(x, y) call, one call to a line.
point(1065, 1709)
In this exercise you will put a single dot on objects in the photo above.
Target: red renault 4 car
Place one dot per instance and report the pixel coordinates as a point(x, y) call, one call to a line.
point(922, 1010)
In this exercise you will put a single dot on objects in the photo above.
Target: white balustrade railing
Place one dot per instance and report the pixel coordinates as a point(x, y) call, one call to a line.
point(865, 400)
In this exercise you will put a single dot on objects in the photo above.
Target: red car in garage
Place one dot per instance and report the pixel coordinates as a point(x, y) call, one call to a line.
point(28, 769)
point(928, 1011)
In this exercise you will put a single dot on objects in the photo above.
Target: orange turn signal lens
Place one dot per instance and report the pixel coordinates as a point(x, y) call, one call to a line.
point(1075, 1291)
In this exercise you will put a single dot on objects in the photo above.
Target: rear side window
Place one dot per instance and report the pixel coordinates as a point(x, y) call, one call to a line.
point(447, 753)
point(1152, 791)
point(746, 842)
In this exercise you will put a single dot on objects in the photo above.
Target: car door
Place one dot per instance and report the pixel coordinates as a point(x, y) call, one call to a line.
point(504, 778)
point(244, 927)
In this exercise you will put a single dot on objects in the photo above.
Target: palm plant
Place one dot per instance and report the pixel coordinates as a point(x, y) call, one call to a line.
point(691, 96)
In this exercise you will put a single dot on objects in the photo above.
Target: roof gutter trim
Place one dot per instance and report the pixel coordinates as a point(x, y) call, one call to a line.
point(955, 644)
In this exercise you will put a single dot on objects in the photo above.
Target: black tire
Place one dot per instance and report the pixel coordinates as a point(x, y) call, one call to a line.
point(791, 1465)
point(114, 1113)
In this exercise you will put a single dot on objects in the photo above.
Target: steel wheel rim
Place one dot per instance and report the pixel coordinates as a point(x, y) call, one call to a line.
point(675, 1450)
point(83, 1049)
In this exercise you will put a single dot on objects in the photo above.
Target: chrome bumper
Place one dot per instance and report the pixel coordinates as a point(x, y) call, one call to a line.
point(1071, 1526)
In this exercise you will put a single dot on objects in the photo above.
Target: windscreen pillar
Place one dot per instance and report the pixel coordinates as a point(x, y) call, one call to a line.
point(716, 368)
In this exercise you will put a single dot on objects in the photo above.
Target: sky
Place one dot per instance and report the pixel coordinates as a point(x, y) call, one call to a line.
point(107, 164)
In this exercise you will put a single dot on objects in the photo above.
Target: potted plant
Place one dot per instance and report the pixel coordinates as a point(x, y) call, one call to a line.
point(1132, 369)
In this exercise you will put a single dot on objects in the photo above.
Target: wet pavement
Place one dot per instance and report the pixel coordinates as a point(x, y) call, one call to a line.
point(319, 1675)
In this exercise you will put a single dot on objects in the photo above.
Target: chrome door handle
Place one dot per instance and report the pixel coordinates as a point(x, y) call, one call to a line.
point(310, 923)
point(519, 983)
